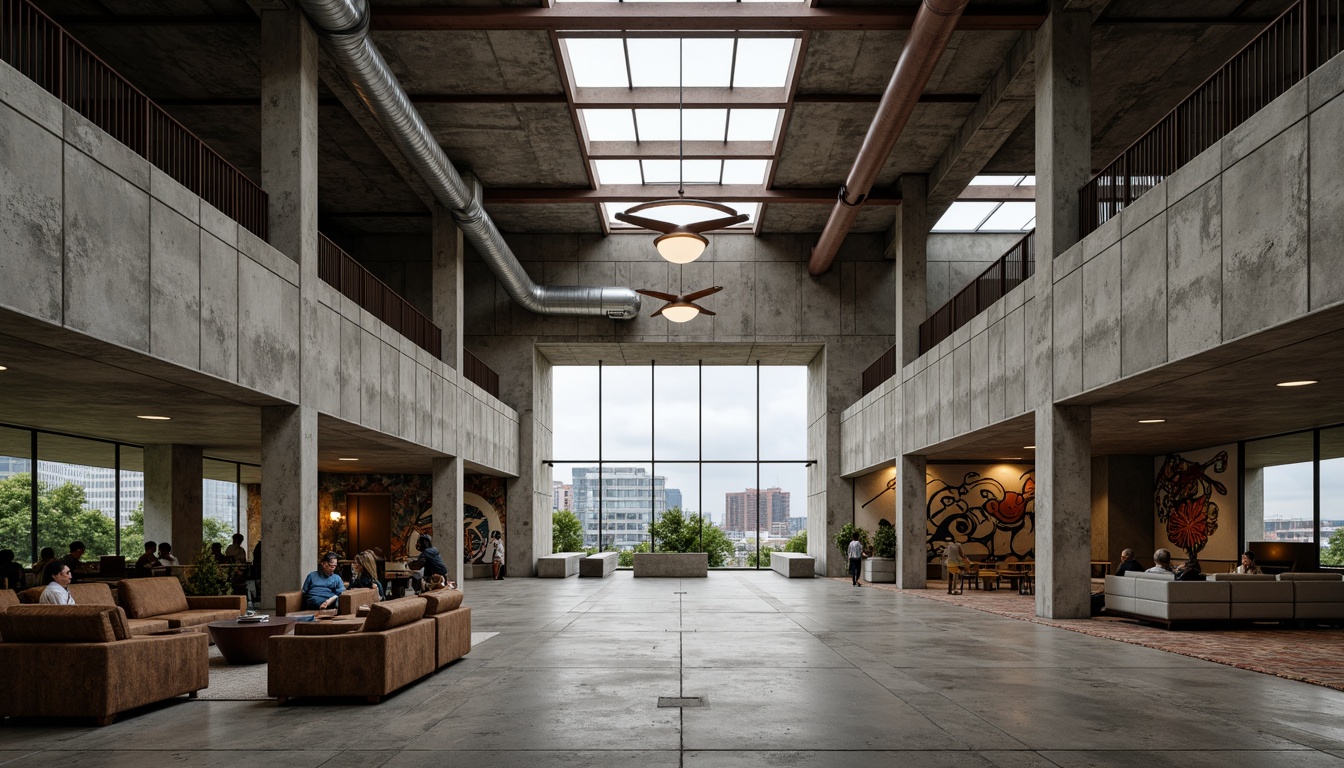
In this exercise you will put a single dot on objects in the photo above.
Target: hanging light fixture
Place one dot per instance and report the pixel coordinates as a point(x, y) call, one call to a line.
point(681, 243)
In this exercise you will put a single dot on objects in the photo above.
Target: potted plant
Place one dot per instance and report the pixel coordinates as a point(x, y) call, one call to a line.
point(205, 578)
point(881, 567)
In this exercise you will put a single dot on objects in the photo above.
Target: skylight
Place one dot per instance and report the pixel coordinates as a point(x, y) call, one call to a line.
point(715, 62)
point(682, 214)
point(965, 216)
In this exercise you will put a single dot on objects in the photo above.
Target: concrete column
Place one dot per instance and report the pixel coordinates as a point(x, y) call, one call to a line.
point(289, 134)
point(288, 497)
point(910, 237)
point(173, 504)
point(525, 384)
point(1063, 128)
point(912, 530)
point(447, 505)
point(446, 281)
point(1253, 502)
point(1122, 506)
point(1063, 517)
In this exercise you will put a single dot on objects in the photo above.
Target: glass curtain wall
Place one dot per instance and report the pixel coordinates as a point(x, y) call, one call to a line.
point(683, 458)
point(1279, 484)
point(93, 491)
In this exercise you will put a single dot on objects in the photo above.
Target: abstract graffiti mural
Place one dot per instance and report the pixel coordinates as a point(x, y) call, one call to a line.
point(1191, 495)
point(989, 510)
point(483, 512)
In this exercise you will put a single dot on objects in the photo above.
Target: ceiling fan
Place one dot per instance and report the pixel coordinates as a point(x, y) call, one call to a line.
point(680, 309)
point(681, 243)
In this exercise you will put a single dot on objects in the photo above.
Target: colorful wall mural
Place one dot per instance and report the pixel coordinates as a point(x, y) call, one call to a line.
point(483, 512)
point(1196, 503)
point(990, 509)
point(411, 511)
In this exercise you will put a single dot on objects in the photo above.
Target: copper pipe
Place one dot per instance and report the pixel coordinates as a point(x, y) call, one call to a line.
point(928, 39)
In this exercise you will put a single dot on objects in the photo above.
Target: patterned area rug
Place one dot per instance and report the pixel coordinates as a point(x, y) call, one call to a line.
point(1313, 656)
point(248, 683)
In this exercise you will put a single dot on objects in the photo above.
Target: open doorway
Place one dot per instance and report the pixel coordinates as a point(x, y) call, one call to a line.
point(370, 521)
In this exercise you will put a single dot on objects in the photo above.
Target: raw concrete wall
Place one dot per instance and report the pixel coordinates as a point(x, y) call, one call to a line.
point(954, 260)
point(768, 297)
point(102, 243)
point(1247, 236)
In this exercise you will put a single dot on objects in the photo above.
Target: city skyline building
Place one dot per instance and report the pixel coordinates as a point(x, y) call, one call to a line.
point(616, 504)
point(740, 511)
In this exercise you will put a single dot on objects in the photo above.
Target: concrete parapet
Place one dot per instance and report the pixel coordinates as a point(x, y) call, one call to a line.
point(674, 565)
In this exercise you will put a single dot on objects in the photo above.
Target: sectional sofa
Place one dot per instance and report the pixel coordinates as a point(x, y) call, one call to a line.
point(1158, 597)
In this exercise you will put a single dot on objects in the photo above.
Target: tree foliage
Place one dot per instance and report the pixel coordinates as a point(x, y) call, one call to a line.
point(62, 517)
point(133, 533)
point(798, 543)
point(1333, 553)
point(764, 559)
point(674, 532)
point(566, 532)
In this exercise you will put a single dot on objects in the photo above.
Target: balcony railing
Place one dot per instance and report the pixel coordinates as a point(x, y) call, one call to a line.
point(1305, 36)
point(480, 374)
point(883, 368)
point(993, 284)
point(46, 54)
point(342, 272)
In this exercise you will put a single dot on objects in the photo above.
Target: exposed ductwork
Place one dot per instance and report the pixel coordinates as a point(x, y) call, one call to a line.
point(344, 28)
point(929, 35)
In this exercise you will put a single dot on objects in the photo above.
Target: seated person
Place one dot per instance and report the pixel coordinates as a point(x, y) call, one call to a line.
point(1190, 571)
point(1128, 563)
point(57, 576)
point(166, 557)
point(364, 573)
point(10, 571)
point(46, 556)
point(323, 587)
point(73, 558)
point(1161, 562)
point(148, 561)
point(235, 551)
point(1247, 563)
point(429, 560)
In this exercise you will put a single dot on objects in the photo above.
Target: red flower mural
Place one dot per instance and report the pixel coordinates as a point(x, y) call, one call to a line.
point(1185, 500)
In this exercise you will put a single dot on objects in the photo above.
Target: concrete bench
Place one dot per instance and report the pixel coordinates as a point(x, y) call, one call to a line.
point(599, 565)
point(673, 565)
point(478, 571)
point(560, 565)
point(793, 565)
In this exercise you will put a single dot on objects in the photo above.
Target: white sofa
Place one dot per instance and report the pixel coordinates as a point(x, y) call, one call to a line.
point(1227, 596)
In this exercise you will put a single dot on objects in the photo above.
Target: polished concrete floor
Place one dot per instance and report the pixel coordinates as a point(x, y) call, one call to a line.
point(793, 673)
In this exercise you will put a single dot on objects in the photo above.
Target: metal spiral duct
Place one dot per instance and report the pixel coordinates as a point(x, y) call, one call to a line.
point(344, 28)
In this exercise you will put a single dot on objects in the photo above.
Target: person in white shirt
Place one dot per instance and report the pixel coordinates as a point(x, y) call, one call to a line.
point(855, 553)
point(497, 564)
point(56, 593)
point(1161, 562)
point(235, 550)
point(952, 554)
point(166, 557)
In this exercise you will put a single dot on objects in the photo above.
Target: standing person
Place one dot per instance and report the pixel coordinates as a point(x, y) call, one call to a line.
point(57, 575)
point(497, 563)
point(323, 587)
point(952, 554)
point(235, 550)
point(10, 571)
point(1128, 564)
point(855, 558)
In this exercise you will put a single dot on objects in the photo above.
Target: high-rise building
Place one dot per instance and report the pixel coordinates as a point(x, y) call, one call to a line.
point(562, 496)
point(620, 502)
point(741, 510)
point(674, 499)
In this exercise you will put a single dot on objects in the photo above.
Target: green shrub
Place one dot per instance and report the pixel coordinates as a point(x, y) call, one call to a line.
point(884, 541)
point(798, 543)
point(846, 533)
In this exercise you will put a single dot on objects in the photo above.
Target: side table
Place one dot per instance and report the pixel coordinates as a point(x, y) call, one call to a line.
point(245, 642)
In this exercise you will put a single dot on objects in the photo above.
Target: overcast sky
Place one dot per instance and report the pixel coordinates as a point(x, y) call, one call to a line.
point(631, 435)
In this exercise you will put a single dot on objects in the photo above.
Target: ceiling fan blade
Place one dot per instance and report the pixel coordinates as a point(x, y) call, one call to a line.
point(703, 311)
point(657, 295)
point(640, 221)
point(727, 221)
point(703, 293)
point(659, 312)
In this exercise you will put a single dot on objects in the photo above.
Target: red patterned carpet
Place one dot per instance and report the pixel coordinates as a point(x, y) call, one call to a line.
point(1310, 655)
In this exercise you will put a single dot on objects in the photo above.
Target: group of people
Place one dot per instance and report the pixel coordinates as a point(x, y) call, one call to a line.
point(1190, 570)
point(323, 588)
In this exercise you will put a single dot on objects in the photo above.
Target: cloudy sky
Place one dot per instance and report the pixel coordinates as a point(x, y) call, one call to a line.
point(657, 413)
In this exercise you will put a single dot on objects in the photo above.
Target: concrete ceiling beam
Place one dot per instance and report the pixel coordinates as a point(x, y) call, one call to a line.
point(669, 150)
point(724, 193)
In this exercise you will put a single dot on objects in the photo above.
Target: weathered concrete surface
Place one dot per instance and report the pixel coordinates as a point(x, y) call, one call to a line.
point(289, 496)
point(559, 565)
point(599, 565)
point(671, 565)
point(447, 503)
point(793, 565)
point(173, 499)
point(1063, 519)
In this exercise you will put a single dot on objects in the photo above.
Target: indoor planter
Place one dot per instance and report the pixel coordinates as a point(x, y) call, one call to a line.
point(881, 567)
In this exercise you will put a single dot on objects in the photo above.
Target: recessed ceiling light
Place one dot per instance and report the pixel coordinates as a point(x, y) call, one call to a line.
point(1012, 458)
point(155, 418)
point(3, 368)
point(343, 458)
point(1302, 383)
point(1030, 447)
point(1151, 421)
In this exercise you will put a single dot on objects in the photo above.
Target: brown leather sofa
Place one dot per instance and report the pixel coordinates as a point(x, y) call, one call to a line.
point(8, 599)
point(291, 603)
point(161, 598)
point(395, 646)
point(452, 625)
point(81, 661)
point(96, 593)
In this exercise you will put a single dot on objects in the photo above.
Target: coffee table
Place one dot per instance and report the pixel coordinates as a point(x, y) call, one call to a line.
point(245, 642)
